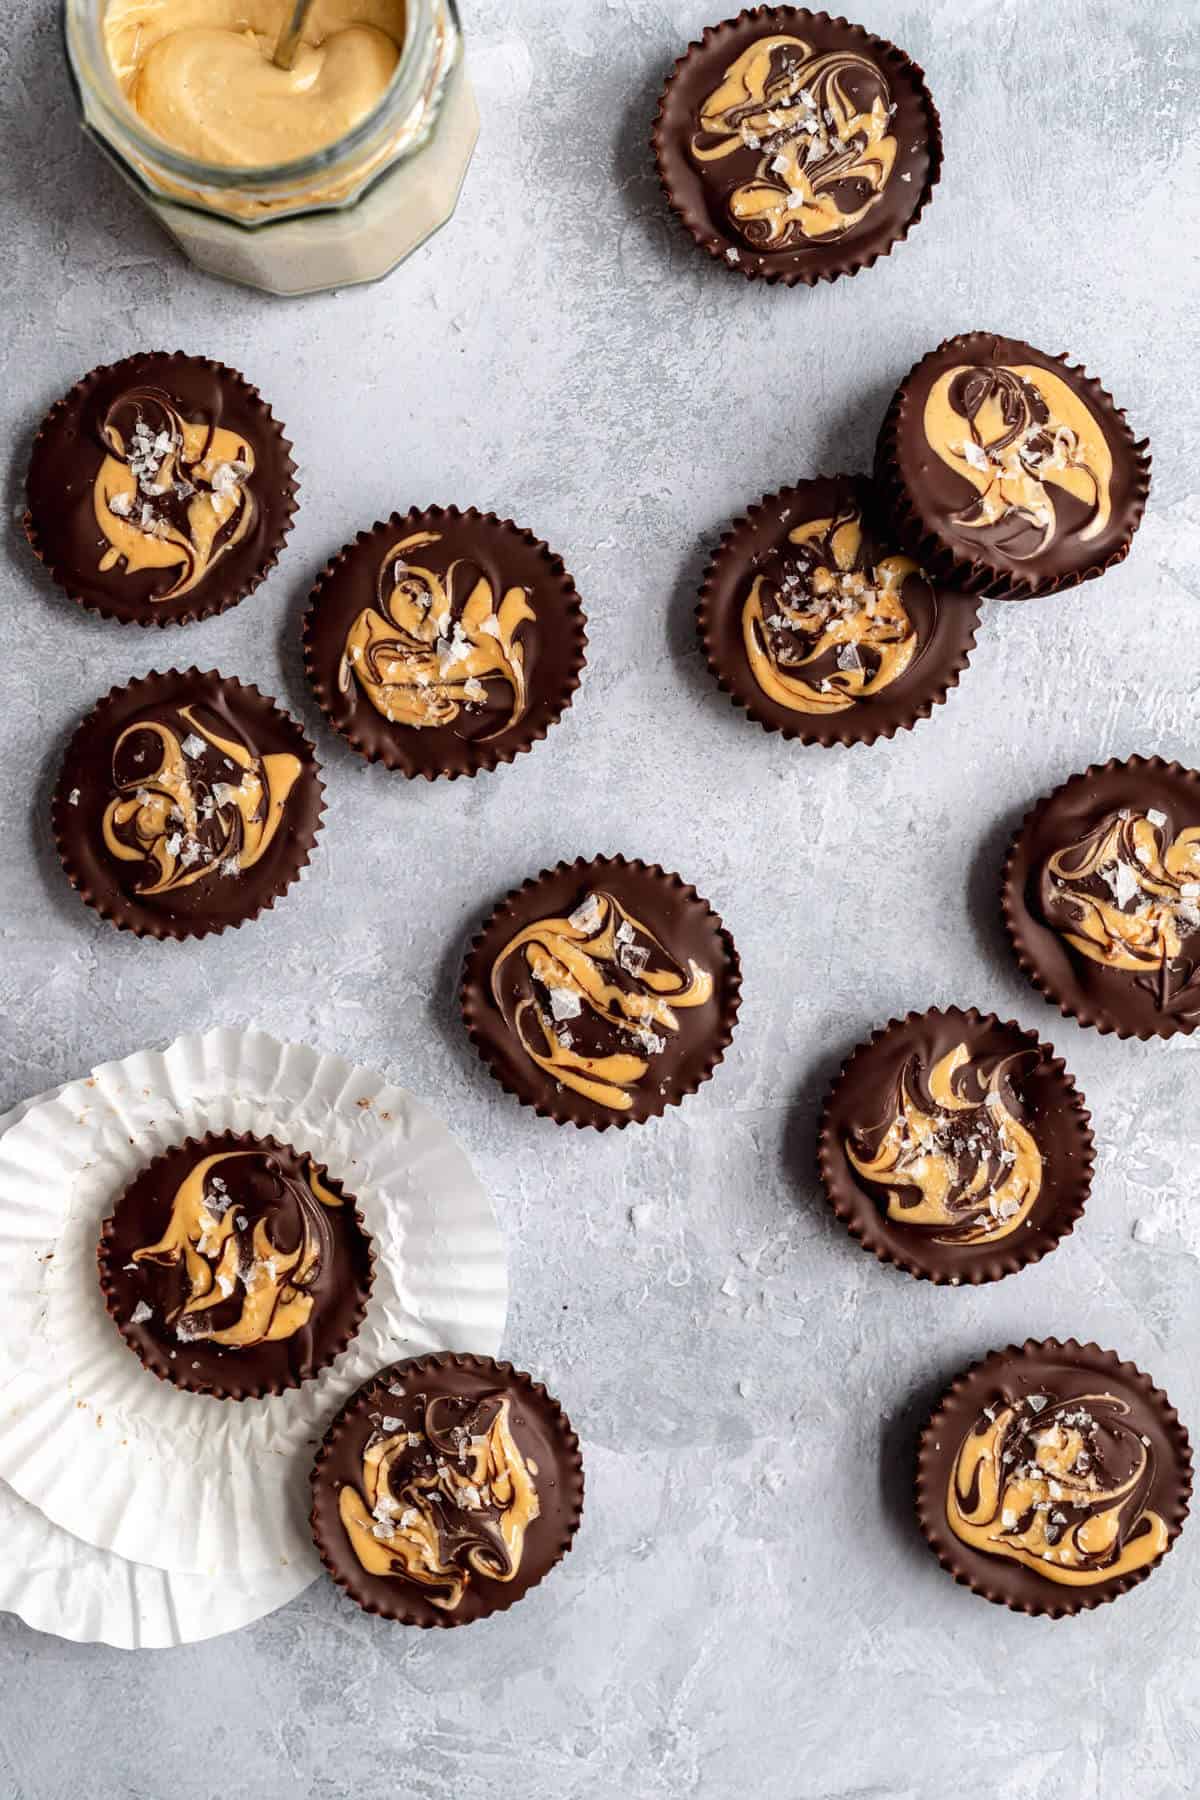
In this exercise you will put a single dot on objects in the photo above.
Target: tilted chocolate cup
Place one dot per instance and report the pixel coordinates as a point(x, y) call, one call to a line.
point(88, 789)
point(141, 1218)
point(1153, 1004)
point(391, 1402)
point(73, 466)
point(942, 623)
point(922, 493)
point(867, 1096)
point(680, 937)
point(360, 641)
point(906, 168)
point(1050, 1371)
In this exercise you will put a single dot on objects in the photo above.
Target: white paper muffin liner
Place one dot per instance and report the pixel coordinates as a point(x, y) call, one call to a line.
point(184, 1482)
point(56, 1583)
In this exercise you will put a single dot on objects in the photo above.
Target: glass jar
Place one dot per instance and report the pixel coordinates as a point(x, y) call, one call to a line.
point(347, 213)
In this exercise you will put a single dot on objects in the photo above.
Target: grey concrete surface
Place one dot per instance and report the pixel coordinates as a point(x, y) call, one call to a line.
point(749, 1608)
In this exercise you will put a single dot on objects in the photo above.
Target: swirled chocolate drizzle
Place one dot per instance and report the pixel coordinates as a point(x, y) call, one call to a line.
point(1061, 1485)
point(171, 493)
point(819, 125)
point(1126, 895)
point(954, 1156)
point(440, 648)
point(825, 624)
point(193, 800)
point(445, 1496)
point(593, 998)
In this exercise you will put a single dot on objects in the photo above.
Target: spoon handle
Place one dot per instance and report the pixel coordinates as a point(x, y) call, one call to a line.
point(289, 37)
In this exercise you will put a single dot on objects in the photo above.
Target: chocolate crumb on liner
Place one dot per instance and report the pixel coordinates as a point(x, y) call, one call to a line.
point(1041, 535)
point(161, 489)
point(444, 642)
point(274, 1236)
point(1085, 1426)
point(1111, 860)
point(496, 1507)
point(742, 131)
point(601, 992)
point(811, 620)
point(969, 1122)
point(211, 792)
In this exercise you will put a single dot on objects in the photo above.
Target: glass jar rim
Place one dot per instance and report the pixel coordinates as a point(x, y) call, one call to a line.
point(92, 73)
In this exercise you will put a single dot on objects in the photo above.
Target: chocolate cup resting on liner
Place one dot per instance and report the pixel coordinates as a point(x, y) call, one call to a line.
point(69, 452)
point(1110, 999)
point(540, 1429)
point(1052, 1110)
point(141, 1217)
point(700, 205)
point(86, 788)
point(1063, 1370)
point(945, 621)
point(919, 492)
point(686, 928)
point(477, 738)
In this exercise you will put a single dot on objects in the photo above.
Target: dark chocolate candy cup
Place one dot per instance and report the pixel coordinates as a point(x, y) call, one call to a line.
point(763, 529)
point(1109, 999)
point(348, 584)
point(1026, 1369)
point(1050, 1099)
point(201, 1368)
point(85, 772)
point(677, 909)
point(66, 457)
point(910, 186)
point(902, 458)
point(548, 1539)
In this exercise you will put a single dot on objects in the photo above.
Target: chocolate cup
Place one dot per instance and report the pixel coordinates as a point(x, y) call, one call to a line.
point(547, 1540)
point(140, 1216)
point(67, 455)
point(1022, 1370)
point(907, 193)
point(901, 449)
point(348, 584)
point(86, 772)
point(1109, 999)
point(1051, 1103)
point(946, 620)
point(686, 924)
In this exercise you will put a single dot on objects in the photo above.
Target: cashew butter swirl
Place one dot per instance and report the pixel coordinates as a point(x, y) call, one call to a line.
point(820, 124)
point(252, 1251)
point(181, 816)
point(828, 627)
point(425, 653)
point(594, 998)
point(171, 493)
point(958, 1163)
point(1015, 434)
point(444, 1504)
point(1060, 1486)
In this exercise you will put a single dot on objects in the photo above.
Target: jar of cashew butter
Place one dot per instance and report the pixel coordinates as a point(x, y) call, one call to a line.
point(292, 180)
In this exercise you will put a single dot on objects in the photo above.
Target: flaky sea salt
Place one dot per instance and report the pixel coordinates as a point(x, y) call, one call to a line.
point(141, 1313)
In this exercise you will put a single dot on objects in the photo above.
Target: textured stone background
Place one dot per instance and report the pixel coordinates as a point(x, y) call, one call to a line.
point(749, 1607)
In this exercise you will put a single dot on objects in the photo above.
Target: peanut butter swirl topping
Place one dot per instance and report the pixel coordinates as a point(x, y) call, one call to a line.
point(1015, 434)
point(424, 654)
point(593, 998)
point(446, 1504)
point(254, 1241)
point(1061, 1486)
point(820, 123)
point(209, 805)
point(956, 1161)
point(826, 626)
point(1127, 896)
point(170, 492)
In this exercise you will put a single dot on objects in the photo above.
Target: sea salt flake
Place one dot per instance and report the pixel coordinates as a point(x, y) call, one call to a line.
point(587, 916)
point(193, 745)
point(565, 1003)
point(232, 865)
point(1036, 1402)
point(1156, 818)
point(732, 255)
point(120, 504)
point(389, 1422)
point(73, 800)
point(141, 1313)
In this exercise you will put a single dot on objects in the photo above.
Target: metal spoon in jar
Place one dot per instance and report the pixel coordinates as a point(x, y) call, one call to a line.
point(289, 37)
